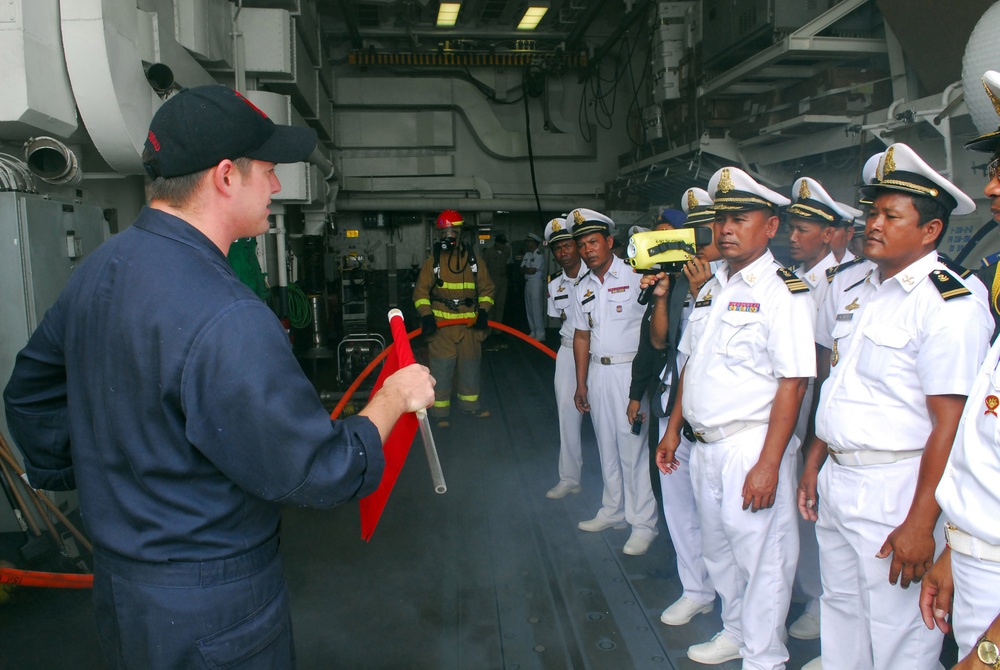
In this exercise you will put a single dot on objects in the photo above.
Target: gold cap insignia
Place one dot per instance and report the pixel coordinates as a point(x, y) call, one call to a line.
point(888, 164)
point(726, 181)
point(555, 226)
point(804, 190)
point(992, 96)
point(578, 217)
point(692, 200)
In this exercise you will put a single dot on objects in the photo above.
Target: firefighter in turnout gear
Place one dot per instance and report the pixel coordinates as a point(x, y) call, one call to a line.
point(453, 285)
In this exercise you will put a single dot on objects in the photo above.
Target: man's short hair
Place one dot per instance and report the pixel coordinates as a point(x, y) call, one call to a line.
point(177, 192)
point(929, 209)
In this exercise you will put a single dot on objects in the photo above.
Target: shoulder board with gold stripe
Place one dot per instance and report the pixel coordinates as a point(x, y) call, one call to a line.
point(954, 267)
point(794, 284)
point(557, 273)
point(948, 286)
point(991, 259)
point(832, 271)
point(581, 278)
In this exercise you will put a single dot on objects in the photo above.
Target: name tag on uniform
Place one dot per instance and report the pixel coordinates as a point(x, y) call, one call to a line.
point(561, 297)
point(703, 303)
point(844, 317)
point(744, 307)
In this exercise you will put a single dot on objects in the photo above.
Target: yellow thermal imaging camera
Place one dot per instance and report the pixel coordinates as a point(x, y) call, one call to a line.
point(666, 250)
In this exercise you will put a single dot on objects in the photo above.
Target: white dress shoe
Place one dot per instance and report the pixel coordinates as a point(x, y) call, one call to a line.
point(597, 524)
point(638, 543)
point(806, 627)
point(815, 664)
point(561, 490)
point(717, 650)
point(682, 611)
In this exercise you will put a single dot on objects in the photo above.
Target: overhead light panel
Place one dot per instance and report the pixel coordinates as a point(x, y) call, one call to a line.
point(533, 16)
point(448, 14)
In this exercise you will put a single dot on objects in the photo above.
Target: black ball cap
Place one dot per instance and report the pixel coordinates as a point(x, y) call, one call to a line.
point(199, 127)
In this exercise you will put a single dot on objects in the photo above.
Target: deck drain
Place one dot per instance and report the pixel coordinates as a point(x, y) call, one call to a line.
point(606, 645)
point(595, 616)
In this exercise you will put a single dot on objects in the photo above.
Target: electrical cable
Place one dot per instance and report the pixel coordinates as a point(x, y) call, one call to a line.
point(531, 155)
point(299, 314)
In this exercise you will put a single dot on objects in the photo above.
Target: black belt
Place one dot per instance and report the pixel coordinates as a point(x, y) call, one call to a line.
point(455, 303)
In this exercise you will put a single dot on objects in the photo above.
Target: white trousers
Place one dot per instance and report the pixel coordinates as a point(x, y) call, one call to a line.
point(866, 623)
point(750, 556)
point(684, 526)
point(627, 493)
point(807, 580)
point(534, 305)
point(977, 584)
point(570, 419)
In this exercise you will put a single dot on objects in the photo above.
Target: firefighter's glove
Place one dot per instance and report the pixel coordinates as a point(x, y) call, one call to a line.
point(428, 326)
point(480, 323)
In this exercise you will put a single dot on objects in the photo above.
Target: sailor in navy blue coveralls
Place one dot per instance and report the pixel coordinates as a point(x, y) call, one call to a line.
point(167, 393)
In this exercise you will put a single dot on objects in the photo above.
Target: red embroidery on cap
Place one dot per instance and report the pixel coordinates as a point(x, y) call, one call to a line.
point(252, 106)
point(154, 141)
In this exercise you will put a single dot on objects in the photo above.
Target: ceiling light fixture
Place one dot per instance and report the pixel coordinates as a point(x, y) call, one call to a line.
point(533, 16)
point(448, 14)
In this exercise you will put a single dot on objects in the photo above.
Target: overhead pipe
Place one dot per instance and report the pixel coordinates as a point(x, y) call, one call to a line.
point(349, 203)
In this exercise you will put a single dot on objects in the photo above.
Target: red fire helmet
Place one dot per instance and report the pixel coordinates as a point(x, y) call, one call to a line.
point(449, 218)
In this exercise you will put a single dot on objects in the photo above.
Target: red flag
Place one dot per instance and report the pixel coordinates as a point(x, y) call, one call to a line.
point(397, 445)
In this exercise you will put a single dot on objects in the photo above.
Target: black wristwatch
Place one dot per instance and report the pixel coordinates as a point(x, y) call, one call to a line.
point(988, 652)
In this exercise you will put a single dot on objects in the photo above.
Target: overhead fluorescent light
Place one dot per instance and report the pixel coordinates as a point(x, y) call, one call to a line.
point(533, 16)
point(448, 14)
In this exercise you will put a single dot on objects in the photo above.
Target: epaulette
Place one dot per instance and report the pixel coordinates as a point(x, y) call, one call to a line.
point(954, 267)
point(991, 259)
point(794, 284)
point(832, 271)
point(557, 273)
point(581, 278)
point(948, 286)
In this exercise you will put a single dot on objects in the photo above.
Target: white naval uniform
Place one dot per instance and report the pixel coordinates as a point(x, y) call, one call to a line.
point(970, 501)
point(561, 303)
point(534, 292)
point(893, 343)
point(816, 277)
point(679, 508)
point(807, 572)
point(745, 334)
point(610, 312)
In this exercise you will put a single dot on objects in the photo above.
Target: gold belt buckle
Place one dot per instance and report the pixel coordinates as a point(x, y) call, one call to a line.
point(700, 436)
point(605, 360)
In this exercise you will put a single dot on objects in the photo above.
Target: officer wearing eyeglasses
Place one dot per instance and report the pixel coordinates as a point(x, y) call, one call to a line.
point(965, 581)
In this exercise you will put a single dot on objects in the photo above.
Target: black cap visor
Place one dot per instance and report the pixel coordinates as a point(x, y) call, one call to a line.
point(287, 144)
point(987, 143)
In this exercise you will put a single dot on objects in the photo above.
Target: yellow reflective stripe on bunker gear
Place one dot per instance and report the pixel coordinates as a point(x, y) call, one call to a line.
point(468, 398)
point(454, 315)
point(485, 298)
point(442, 403)
point(459, 285)
point(422, 301)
